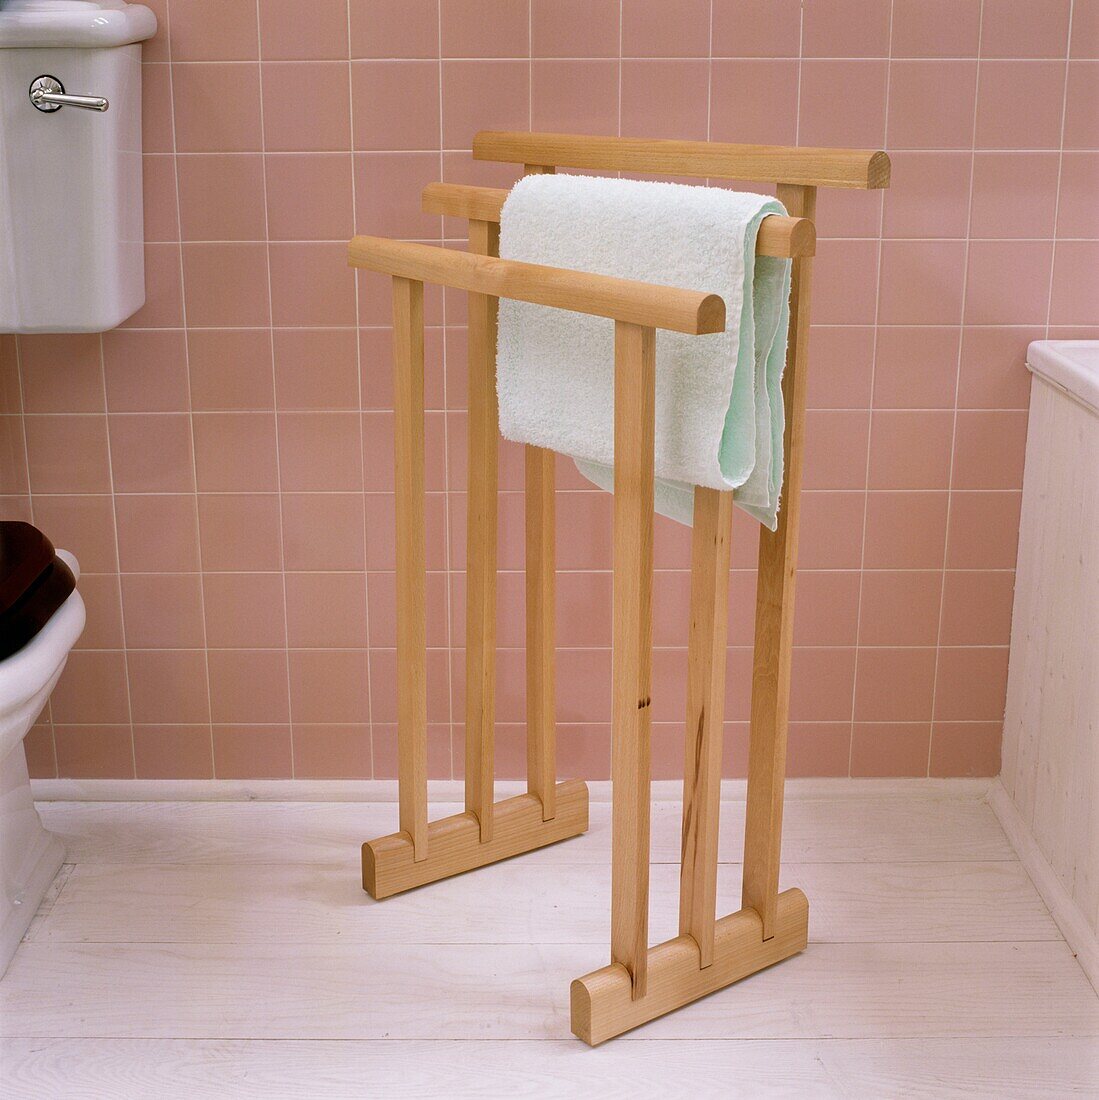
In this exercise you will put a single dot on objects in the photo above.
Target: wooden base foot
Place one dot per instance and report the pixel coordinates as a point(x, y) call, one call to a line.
point(454, 843)
point(602, 1005)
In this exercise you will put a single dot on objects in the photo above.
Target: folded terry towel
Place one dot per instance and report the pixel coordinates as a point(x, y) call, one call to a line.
point(719, 416)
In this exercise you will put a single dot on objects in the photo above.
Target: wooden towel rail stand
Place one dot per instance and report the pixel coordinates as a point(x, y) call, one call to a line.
point(641, 982)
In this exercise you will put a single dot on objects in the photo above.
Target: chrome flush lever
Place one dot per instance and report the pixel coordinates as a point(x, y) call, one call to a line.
point(47, 93)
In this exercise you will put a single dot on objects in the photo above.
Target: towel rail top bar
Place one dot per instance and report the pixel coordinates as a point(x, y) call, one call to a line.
point(665, 307)
point(865, 169)
point(778, 235)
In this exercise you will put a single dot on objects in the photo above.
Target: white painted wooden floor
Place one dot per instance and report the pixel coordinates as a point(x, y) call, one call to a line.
point(226, 949)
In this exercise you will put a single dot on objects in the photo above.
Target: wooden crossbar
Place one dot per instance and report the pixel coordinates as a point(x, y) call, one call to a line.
point(778, 235)
point(851, 168)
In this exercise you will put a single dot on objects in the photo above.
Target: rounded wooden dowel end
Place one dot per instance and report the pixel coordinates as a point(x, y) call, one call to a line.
point(878, 171)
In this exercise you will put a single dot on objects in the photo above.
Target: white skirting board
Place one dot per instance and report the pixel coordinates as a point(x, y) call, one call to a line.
point(452, 790)
point(1070, 919)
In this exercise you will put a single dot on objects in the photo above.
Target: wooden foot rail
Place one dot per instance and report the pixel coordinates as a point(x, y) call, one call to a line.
point(641, 982)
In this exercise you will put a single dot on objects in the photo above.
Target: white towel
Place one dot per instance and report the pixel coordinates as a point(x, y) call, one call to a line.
point(719, 416)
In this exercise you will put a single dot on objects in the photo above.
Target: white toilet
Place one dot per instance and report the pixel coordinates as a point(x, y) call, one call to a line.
point(29, 855)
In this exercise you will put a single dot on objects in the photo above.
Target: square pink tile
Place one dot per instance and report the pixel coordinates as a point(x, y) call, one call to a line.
point(13, 464)
point(835, 449)
point(239, 531)
point(156, 48)
point(821, 684)
point(82, 524)
point(1008, 282)
point(977, 608)
point(827, 609)
point(226, 285)
point(220, 197)
point(292, 91)
point(841, 359)
point(162, 610)
point(848, 213)
point(485, 28)
point(151, 453)
point(252, 752)
point(209, 30)
point(383, 674)
point(395, 28)
point(928, 195)
point(286, 36)
point(103, 600)
point(664, 99)
point(984, 530)
point(989, 448)
point(971, 684)
point(236, 452)
point(173, 752)
point(1077, 210)
point(756, 28)
point(68, 454)
point(1014, 194)
point(936, 28)
point(92, 689)
point(483, 95)
point(966, 748)
point(217, 108)
point(1020, 105)
point(168, 685)
point(62, 373)
point(157, 533)
point(323, 530)
point(894, 685)
point(916, 368)
point(311, 284)
point(289, 176)
point(326, 610)
point(316, 368)
point(554, 23)
point(244, 610)
point(654, 28)
point(900, 608)
point(574, 97)
point(440, 752)
point(1021, 28)
point(754, 101)
point(332, 752)
point(860, 86)
point(815, 749)
point(248, 685)
point(845, 282)
point(382, 596)
point(230, 369)
point(320, 451)
point(94, 752)
point(396, 105)
point(910, 449)
point(831, 530)
point(846, 28)
point(921, 282)
point(1075, 293)
point(931, 104)
point(387, 195)
point(905, 530)
point(993, 368)
point(329, 685)
point(890, 748)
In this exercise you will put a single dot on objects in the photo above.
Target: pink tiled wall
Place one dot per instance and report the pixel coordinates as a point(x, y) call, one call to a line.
point(221, 464)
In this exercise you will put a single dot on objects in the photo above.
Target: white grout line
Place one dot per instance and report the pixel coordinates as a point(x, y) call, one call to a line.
point(872, 410)
point(1060, 168)
point(275, 400)
point(957, 387)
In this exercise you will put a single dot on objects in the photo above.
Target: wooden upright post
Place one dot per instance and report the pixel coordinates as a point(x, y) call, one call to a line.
point(778, 552)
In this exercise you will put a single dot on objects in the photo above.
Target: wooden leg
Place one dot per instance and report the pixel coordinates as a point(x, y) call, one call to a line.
point(408, 404)
point(631, 707)
point(481, 544)
point(540, 567)
point(775, 613)
point(713, 514)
